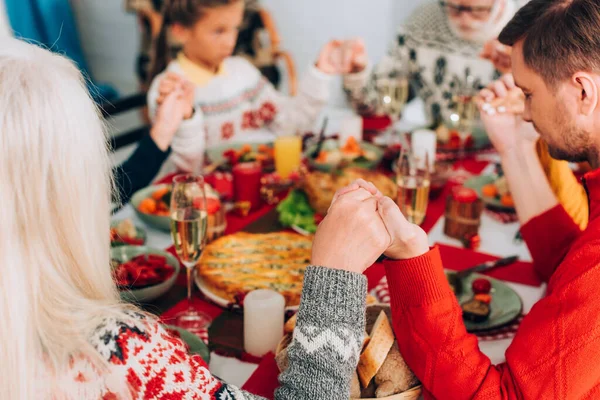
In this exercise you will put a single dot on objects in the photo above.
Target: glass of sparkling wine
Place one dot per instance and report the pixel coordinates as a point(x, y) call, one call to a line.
point(413, 187)
point(393, 90)
point(463, 119)
point(188, 230)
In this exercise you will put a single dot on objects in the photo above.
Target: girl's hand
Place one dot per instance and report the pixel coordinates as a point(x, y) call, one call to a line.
point(169, 116)
point(174, 82)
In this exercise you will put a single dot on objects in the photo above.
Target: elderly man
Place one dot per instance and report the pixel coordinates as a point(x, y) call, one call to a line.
point(553, 355)
point(440, 41)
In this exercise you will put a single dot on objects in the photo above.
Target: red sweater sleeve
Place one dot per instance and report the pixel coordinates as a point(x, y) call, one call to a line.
point(432, 337)
point(549, 237)
point(551, 356)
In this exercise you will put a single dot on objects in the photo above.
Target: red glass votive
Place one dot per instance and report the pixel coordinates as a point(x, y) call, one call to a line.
point(246, 183)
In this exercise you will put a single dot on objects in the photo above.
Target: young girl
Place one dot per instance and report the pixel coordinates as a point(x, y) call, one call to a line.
point(232, 101)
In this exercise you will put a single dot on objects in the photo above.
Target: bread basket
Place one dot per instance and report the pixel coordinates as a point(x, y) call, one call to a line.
point(372, 313)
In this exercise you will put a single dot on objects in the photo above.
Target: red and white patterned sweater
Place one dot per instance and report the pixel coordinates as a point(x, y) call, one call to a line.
point(155, 365)
point(240, 106)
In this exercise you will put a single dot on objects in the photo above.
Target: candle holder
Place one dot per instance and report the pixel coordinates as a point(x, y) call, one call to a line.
point(463, 214)
point(246, 183)
point(273, 188)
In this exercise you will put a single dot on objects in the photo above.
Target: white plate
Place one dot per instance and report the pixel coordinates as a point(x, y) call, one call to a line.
point(300, 231)
point(218, 300)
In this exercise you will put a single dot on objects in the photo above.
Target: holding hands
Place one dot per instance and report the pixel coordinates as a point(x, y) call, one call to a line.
point(360, 226)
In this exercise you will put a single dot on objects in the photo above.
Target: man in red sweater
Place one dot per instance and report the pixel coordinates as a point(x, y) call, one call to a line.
point(556, 61)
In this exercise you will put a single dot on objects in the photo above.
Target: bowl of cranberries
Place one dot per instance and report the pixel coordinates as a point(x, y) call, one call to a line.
point(143, 274)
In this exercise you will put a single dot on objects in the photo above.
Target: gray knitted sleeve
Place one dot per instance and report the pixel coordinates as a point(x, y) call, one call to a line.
point(327, 340)
point(328, 336)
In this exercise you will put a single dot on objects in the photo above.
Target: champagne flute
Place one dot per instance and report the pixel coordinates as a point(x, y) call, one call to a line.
point(393, 89)
point(188, 229)
point(413, 186)
point(463, 118)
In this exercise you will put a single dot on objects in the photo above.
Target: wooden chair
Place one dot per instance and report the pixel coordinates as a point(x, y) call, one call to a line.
point(259, 42)
point(276, 53)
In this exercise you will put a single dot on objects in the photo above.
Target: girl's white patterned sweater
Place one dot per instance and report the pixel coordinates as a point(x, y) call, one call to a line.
point(240, 105)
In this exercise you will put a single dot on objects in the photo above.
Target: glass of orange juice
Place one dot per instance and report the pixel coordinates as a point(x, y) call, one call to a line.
point(288, 155)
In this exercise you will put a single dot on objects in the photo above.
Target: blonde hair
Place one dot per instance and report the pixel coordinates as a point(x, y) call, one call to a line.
point(55, 192)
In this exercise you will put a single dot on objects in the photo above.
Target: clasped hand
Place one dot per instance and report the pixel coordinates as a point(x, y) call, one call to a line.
point(360, 226)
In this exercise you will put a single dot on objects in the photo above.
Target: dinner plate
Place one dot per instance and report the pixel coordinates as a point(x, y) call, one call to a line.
point(506, 305)
point(220, 301)
point(478, 182)
point(139, 234)
point(332, 145)
point(301, 231)
point(194, 343)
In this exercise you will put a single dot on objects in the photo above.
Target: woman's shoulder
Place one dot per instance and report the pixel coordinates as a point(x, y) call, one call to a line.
point(139, 350)
point(116, 334)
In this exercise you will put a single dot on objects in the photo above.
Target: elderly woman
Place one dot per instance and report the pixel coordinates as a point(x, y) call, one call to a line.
point(65, 332)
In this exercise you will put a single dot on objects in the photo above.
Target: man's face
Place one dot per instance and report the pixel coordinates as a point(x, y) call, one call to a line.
point(474, 20)
point(553, 111)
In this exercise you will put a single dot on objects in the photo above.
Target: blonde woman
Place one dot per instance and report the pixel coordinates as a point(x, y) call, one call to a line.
point(64, 332)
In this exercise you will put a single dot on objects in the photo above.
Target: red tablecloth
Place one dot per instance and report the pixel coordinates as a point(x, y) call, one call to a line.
point(264, 381)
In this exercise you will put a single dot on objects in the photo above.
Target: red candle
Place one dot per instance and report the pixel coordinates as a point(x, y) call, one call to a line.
point(246, 183)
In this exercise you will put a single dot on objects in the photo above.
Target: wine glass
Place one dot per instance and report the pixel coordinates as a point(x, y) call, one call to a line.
point(393, 88)
point(188, 229)
point(463, 119)
point(414, 181)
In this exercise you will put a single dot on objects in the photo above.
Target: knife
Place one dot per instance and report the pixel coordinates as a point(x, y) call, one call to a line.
point(321, 140)
point(486, 266)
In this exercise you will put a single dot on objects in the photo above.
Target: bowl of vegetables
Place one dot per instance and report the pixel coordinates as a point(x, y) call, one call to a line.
point(152, 206)
point(351, 154)
point(125, 233)
point(143, 274)
point(295, 212)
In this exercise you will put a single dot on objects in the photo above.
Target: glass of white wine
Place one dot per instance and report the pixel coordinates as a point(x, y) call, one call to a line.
point(463, 118)
point(393, 89)
point(188, 230)
point(413, 186)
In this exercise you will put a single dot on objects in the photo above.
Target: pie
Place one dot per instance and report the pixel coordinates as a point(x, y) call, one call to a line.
point(235, 265)
point(320, 187)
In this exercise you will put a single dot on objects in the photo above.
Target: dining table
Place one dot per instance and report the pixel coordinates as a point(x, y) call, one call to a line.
point(498, 239)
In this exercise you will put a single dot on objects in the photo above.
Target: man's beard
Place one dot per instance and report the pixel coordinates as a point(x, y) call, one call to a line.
point(560, 154)
point(480, 34)
point(575, 146)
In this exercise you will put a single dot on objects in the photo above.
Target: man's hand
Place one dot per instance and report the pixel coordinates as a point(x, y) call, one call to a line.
point(501, 105)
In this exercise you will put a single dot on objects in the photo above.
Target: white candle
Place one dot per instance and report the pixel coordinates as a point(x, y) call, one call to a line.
point(351, 126)
point(263, 321)
point(424, 142)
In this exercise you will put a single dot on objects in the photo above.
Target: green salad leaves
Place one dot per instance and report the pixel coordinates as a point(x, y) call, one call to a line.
point(295, 210)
